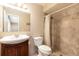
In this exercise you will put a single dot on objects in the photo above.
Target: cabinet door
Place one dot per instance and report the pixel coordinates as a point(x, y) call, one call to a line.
point(9, 51)
point(15, 50)
point(23, 49)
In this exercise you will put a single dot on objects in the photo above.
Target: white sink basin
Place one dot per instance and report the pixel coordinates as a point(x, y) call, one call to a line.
point(13, 39)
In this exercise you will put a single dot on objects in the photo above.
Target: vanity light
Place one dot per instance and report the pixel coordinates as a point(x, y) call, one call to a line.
point(15, 7)
point(24, 6)
point(19, 4)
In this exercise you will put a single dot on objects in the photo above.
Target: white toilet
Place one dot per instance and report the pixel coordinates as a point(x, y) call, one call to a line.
point(43, 50)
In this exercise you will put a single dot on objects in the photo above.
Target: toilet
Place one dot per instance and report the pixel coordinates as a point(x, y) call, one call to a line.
point(43, 50)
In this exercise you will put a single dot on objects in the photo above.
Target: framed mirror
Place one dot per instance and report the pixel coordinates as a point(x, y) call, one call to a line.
point(15, 20)
point(12, 23)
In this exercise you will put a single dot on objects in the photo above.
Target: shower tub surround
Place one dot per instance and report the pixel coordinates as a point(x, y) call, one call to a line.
point(65, 31)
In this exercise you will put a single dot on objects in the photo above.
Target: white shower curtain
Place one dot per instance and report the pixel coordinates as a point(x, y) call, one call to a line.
point(47, 40)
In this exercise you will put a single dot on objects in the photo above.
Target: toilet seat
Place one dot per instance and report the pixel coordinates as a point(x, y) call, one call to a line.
point(44, 49)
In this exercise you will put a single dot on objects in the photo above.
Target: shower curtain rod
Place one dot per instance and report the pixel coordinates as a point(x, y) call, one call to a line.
point(62, 9)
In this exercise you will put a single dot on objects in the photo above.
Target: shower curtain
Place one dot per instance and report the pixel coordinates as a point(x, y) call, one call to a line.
point(49, 31)
point(47, 35)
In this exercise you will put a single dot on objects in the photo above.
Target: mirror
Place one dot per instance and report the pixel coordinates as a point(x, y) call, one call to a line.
point(11, 24)
point(15, 20)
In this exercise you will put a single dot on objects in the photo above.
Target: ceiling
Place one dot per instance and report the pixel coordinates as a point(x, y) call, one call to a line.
point(53, 7)
point(47, 7)
point(46, 4)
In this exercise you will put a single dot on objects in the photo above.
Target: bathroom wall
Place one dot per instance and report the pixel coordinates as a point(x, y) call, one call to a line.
point(36, 19)
point(66, 31)
point(24, 18)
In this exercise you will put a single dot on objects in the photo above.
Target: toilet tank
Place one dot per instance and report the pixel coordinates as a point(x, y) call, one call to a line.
point(38, 41)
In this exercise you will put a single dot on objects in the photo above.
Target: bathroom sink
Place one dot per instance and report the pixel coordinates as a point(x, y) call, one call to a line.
point(13, 39)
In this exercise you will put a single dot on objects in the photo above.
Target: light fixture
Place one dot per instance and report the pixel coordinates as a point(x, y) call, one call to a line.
point(15, 7)
point(19, 4)
point(24, 6)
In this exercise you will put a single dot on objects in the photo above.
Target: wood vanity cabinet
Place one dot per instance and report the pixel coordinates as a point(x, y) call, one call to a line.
point(20, 49)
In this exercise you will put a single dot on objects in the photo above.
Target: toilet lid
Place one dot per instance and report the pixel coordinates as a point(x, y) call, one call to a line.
point(44, 48)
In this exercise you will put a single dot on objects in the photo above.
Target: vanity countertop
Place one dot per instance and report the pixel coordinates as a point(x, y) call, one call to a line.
point(12, 39)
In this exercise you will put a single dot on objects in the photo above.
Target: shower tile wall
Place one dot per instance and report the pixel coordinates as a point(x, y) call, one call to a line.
point(65, 31)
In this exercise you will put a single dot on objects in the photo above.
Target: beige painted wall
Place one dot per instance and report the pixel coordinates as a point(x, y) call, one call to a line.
point(66, 31)
point(24, 19)
point(36, 19)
